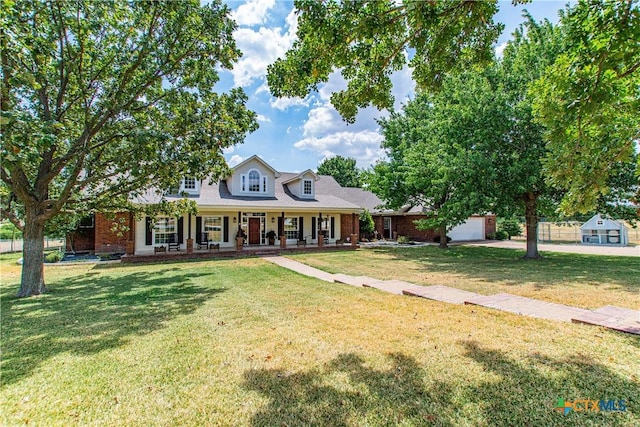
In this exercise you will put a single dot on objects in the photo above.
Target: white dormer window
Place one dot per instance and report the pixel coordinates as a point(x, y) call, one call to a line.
point(254, 182)
point(307, 187)
point(189, 183)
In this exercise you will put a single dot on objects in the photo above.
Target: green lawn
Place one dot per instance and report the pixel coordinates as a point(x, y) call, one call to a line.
point(587, 281)
point(244, 342)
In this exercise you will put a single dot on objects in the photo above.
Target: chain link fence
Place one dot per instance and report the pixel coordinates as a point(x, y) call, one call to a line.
point(569, 232)
point(16, 245)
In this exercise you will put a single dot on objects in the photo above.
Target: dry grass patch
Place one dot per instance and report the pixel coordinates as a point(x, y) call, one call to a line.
point(244, 342)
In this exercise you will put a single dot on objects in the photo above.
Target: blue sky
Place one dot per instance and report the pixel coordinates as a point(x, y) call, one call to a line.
point(297, 134)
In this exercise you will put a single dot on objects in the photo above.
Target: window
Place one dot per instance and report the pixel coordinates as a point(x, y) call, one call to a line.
point(307, 187)
point(291, 228)
point(189, 183)
point(254, 181)
point(165, 227)
point(86, 222)
point(213, 228)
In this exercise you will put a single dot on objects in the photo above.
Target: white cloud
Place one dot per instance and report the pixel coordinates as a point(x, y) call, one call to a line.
point(261, 47)
point(253, 12)
point(234, 160)
point(263, 119)
point(364, 146)
point(284, 103)
point(500, 49)
point(228, 150)
point(404, 88)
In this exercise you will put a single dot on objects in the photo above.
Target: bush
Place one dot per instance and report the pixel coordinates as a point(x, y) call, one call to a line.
point(511, 227)
point(403, 240)
point(9, 231)
point(52, 257)
point(502, 235)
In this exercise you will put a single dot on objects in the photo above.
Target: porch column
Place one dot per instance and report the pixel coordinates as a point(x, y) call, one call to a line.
point(320, 233)
point(189, 239)
point(131, 240)
point(283, 240)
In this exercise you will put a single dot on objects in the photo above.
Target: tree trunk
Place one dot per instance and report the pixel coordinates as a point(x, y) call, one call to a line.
point(531, 218)
point(443, 237)
point(32, 259)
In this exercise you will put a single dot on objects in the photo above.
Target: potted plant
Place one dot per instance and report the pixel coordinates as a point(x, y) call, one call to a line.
point(271, 235)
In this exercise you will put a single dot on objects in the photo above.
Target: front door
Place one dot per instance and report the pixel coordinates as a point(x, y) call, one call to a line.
point(387, 227)
point(254, 231)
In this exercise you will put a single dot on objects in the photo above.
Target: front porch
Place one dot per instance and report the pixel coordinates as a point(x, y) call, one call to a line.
point(225, 252)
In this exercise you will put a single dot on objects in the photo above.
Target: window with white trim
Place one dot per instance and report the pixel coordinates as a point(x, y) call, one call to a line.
point(254, 181)
point(307, 187)
point(213, 227)
point(291, 228)
point(189, 183)
point(165, 226)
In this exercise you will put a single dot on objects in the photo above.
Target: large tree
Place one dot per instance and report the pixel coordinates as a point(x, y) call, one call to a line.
point(517, 155)
point(367, 41)
point(433, 153)
point(589, 100)
point(101, 100)
point(343, 169)
point(595, 82)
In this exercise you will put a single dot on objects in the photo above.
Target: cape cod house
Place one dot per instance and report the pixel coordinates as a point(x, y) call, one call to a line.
point(252, 202)
point(256, 202)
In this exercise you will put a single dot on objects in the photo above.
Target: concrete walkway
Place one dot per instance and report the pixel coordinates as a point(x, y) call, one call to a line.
point(620, 319)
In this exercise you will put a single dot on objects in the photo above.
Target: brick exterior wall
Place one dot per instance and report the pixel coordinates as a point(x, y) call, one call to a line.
point(404, 226)
point(489, 226)
point(349, 224)
point(81, 240)
point(106, 241)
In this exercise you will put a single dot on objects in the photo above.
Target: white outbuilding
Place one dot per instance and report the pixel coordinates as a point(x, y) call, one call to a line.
point(604, 231)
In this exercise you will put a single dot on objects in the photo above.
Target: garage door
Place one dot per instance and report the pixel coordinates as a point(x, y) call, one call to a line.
point(472, 229)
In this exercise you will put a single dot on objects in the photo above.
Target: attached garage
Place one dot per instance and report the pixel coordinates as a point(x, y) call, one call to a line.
point(471, 229)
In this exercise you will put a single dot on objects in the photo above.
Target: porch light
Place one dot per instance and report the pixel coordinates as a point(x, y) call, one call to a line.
point(235, 220)
point(273, 220)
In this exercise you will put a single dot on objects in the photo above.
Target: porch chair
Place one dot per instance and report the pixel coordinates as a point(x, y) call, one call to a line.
point(204, 241)
point(173, 242)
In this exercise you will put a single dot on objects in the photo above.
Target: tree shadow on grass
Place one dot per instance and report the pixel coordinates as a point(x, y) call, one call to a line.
point(90, 313)
point(507, 265)
point(526, 392)
point(346, 392)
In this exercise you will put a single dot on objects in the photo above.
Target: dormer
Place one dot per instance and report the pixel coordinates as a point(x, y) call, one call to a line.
point(188, 186)
point(303, 185)
point(253, 177)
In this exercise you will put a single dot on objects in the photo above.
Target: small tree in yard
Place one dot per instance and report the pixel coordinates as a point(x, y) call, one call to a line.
point(367, 225)
point(102, 100)
point(511, 227)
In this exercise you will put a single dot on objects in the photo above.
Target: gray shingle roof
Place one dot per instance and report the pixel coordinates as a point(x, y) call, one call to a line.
point(328, 195)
